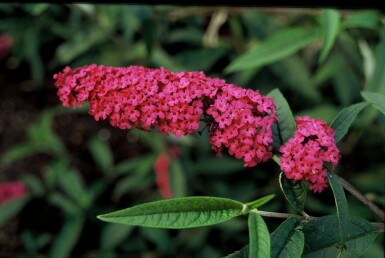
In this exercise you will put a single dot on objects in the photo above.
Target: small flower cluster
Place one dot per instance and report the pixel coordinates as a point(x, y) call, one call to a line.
point(303, 155)
point(11, 190)
point(240, 119)
point(243, 120)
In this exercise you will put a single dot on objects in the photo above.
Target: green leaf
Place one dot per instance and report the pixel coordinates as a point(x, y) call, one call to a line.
point(67, 238)
point(322, 237)
point(341, 204)
point(259, 237)
point(368, 19)
point(66, 204)
point(113, 235)
point(242, 253)
point(295, 192)
point(377, 81)
point(261, 201)
point(72, 183)
point(276, 47)
point(185, 212)
point(102, 154)
point(284, 129)
point(208, 165)
point(377, 99)
point(287, 240)
point(345, 118)
point(177, 179)
point(33, 184)
point(17, 152)
point(295, 64)
point(11, 208)
point(330, 26)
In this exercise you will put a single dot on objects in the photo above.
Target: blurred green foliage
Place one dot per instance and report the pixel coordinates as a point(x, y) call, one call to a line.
point(322, 60)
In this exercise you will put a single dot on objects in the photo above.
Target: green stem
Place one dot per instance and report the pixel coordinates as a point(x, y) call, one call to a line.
point(379, 225)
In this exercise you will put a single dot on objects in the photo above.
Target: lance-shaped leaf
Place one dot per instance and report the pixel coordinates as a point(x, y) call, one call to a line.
point(284, 129)
point(341, 204)
point(294, 191)
point(330, 21)
point(287, 240)
point(259, 237)
point(187, 212)
point(261, 201)
point(345, 118)
point(322, 237)
point(377, 99)
point(278, 46)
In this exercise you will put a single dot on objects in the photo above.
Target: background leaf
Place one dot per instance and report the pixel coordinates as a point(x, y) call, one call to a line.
point(243, 253)
point(330, 21)
point(12, 208)
point(185, 212)
point(377, 99)
point(276, 47)
point(368, 19)
point(345, 118)
point(67, 238)
point(101, 153)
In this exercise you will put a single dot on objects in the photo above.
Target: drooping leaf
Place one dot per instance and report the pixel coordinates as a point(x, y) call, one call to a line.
point(345, 118)
point(12, 208)
point(67, 238)
point(377, 99)
point(295, 192)
point(259, 237)
point(185, 212)
point(341, 205)
point(276, 47)
point(284, 129)
point(287, 240)
point(322, 237)
point(330, 21)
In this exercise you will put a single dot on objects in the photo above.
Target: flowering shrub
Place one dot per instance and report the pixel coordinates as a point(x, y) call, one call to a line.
point(241, 120)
